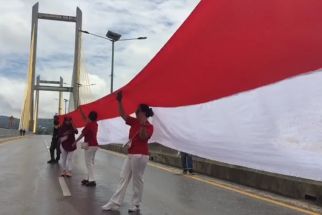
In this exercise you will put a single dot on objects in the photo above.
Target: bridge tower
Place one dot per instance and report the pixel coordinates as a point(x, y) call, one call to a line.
point(28, 115)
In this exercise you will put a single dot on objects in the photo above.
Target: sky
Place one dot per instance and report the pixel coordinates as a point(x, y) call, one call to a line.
point(155, 19)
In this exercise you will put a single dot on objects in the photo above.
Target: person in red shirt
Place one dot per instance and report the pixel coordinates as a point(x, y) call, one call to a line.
point(138, 155)
point(66, 135)
point(90, 145)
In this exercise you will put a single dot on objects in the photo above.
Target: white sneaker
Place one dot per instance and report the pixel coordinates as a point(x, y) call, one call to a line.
point(134, 208)
point(110, 206)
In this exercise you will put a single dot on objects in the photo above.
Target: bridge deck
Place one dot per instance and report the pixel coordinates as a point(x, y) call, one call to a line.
point(29, 186)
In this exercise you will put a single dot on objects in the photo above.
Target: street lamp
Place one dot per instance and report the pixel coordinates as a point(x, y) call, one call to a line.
point(65, 100)
point(113, 37)
point(59, 107)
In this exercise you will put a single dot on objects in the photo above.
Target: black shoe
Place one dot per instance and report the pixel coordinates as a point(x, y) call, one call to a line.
point(85, 182)
point(134, 209)
point(191, 172)
point(184, 172)
point(91, 184)
point(51, 161)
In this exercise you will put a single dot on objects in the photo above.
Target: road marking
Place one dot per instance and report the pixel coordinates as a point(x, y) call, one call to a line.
point(8, 140)
point(46, 144)
point(254, 196)
point(227, 187)
point(64, 186)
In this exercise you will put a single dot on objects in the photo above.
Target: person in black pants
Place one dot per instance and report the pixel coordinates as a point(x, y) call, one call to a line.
point(54, 143)
point(186, 161)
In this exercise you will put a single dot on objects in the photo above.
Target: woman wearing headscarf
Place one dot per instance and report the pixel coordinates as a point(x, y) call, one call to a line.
point(66, 137)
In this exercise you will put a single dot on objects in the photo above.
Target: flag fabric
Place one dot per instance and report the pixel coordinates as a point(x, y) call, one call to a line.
point(239, 82)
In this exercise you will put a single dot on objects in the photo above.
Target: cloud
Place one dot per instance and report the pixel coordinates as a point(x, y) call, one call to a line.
point(157, 19)
point(11, 96)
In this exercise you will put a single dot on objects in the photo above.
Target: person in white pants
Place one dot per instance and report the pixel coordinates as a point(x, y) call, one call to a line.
point(89, 162)
point(67, 160)
point(66, 135)
point(90, 146)
point(138, 155)
point(133, 167)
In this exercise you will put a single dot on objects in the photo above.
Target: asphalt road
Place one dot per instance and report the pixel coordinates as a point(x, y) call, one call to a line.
point(29, 186)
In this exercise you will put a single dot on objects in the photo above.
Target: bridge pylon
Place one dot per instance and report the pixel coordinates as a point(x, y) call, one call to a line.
point(30, 107)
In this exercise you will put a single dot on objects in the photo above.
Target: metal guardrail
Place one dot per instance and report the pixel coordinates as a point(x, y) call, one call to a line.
point(4, 132)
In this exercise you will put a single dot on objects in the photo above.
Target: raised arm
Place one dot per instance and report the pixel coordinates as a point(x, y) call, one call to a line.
point(79, 137)
point(119, 98)
point(85, 119)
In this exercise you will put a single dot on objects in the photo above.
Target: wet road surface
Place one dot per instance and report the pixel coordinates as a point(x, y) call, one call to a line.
point(29, 186)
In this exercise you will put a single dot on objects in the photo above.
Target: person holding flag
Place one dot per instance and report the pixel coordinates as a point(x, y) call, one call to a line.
point(90, 145)
point(138, 155)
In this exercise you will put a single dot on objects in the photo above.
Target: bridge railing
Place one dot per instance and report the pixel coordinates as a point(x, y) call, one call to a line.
point(4, 132)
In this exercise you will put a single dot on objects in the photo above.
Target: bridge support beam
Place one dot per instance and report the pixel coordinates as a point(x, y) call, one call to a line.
point(76, 72)
point(35, 126)
point(32, 63)
point(60, 98)
point(60, 89)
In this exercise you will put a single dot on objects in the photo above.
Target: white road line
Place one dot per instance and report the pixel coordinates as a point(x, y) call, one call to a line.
point(64, 186)
point(46, 144)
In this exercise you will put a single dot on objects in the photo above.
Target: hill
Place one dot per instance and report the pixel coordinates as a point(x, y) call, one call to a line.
point(44, 125)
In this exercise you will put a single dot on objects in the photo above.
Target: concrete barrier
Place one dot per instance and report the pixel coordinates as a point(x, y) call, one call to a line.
point(297, 188)
point(4, 132)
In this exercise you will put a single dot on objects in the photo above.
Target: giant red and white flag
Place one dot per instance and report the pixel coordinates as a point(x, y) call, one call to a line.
point(239, 82)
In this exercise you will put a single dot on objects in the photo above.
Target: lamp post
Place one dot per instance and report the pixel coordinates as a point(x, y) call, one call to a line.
point(59, 106)
point(113, 37)
point(65, 100)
